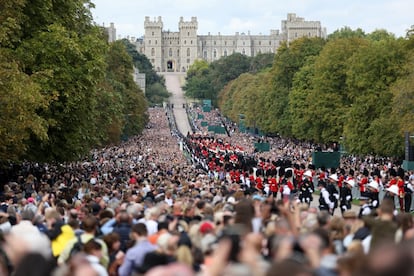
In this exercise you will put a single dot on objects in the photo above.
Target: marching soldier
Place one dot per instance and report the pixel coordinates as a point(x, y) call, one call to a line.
point(306, 189)
point(346, 195)
point(325, 202)
point(333, 191)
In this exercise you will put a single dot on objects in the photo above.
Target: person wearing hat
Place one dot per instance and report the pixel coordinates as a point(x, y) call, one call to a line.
point(305, 190)
point(366, 207)
point(346, 195)
point(287, 187)
point(400, 185)
point(333, 191)
point(325, 202)
point(273, 187)
point(393, 177)
point(373, 193)
point(391, 192)
point(363, 182)
point(408, 193)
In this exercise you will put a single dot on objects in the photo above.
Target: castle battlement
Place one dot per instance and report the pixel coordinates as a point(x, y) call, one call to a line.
point(153, 24)
point(177, 51)
point(188, 24)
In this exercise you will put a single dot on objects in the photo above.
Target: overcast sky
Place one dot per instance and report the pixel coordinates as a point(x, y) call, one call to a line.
point(256, 16)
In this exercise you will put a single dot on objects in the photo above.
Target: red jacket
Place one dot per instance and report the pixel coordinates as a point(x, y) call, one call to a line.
point(363, 184)
point(272, 184)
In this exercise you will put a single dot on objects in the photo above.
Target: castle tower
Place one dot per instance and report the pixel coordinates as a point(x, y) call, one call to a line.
point(111, 32)
point(188, 43)
point(153, 42)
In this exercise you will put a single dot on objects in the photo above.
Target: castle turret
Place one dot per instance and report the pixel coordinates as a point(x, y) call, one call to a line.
point(188, 43)
point(153, 41)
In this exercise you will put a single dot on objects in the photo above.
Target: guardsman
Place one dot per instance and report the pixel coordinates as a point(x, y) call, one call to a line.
point(305, 190)
point(346, 195)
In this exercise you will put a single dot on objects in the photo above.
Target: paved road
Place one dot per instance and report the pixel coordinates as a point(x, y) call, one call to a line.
point(173, 82)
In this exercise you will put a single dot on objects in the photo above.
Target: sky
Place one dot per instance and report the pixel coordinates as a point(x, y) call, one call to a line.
point(257, 16)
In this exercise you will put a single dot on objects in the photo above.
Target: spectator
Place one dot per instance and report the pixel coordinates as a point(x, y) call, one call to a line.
point(89, 225)
point(134, 257)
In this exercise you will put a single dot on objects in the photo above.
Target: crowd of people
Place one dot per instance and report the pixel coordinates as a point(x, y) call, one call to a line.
point(204, 204)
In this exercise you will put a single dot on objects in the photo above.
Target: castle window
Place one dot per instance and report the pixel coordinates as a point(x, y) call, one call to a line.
point(225, 53)
point(149, 41)
point(225, 43)
point(188, 60)
point(170, 42)
point(296, 34)
point(215, 53)
point(188, 33)
point(191, 42)
point(155, 42)
point(234, 43)
point(188, 52)
point(270, 42)
point(178, 52)
point(243, 52)
point(260, 43)
point(152, 33)
point(244, 43)
point(185, 42)
point(152, 52)
point(309, 34)
point(205, 54)
point(214, 42)
point(170, 52)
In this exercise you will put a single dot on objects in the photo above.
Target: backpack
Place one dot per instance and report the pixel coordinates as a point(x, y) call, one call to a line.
point(77, 247)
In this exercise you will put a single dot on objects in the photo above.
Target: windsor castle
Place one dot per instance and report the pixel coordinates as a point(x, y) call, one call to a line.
point(176, 51)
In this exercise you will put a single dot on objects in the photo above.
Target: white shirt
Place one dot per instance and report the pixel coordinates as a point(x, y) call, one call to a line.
point(94, 261)
point(325, 195)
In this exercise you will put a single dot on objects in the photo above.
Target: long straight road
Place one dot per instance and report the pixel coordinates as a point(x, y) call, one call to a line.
point(174, 82)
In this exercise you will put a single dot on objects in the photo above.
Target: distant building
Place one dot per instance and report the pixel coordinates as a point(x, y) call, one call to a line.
point(176, 51)
point(139, 79)
point(111, 32)
point(295, 27)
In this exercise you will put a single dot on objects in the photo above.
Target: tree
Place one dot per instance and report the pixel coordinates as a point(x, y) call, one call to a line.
point(347, 32)
point(328, 93)
point(198, 81)
point(20, 98)
point(261, 61)
point(288, 61)
point(134, 104)
point(372, 70)
point(156, 94)
point(11, 17)
point(68, 69)
point(144, 66)
point(300, 101)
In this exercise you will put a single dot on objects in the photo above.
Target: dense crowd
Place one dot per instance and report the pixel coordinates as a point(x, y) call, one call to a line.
point(167, 204)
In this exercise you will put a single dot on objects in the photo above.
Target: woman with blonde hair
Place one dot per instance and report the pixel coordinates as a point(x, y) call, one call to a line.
point(184, 255)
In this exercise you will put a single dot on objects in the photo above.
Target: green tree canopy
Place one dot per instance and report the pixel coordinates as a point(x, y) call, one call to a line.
point(20, 98)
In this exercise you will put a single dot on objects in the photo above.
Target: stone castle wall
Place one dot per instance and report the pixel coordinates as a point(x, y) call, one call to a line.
point(176, 51)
